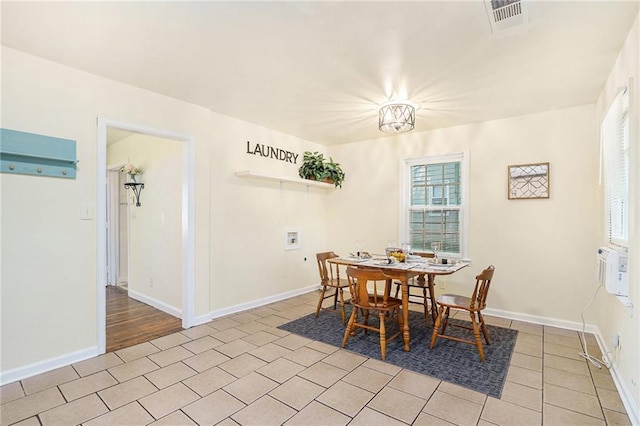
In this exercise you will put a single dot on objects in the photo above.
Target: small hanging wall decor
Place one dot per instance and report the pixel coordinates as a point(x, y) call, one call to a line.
point(527, 181)
point(38, 155)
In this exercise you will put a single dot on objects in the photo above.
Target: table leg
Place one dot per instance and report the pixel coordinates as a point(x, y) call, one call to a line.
point(432, 294)
point(405, 312)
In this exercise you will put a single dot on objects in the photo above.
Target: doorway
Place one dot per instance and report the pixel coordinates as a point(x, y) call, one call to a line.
point(187, 204)
point(117, 228)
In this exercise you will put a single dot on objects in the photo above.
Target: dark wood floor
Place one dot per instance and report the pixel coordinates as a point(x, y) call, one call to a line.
point(130, 322)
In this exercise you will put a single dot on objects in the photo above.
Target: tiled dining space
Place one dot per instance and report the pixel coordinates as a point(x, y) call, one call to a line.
point(242, 369)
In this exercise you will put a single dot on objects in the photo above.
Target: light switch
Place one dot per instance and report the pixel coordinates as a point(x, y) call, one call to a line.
point(86, 211)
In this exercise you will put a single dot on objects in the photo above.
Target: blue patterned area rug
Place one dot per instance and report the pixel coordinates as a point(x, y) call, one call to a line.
point(453, 362)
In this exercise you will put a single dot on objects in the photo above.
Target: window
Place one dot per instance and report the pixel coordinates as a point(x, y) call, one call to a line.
point(614, 146)
point(434, 203)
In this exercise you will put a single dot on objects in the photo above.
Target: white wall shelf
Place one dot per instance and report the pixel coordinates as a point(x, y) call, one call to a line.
point(281, 179)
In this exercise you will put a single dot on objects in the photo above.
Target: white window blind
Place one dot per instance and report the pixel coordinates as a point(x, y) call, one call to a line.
point(434, 203)
point(614, 146)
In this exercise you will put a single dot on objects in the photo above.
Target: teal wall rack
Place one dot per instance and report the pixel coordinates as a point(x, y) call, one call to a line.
point(39, 155)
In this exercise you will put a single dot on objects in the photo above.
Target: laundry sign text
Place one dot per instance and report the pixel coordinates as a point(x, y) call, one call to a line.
point(272, 152)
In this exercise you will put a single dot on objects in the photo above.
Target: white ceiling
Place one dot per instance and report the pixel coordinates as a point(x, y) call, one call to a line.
point(318, 70)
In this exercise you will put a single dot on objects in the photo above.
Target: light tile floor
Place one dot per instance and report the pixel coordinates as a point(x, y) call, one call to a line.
point(243, 370)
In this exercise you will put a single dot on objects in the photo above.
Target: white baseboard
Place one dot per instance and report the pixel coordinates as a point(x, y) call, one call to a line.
point(536, 319)
point(20, 373)
point(171, 310)
point(630, 404)
point(202, 319)
point(260, 302)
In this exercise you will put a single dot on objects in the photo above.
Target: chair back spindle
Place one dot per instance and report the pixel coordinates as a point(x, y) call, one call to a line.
point(326, 271)
point(481, 290)
point(330, 280)
point(367, 287)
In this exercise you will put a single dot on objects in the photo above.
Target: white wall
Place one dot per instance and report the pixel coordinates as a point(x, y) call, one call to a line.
point(542, 249)
point(610, 315)
point(49, 257)
point(155, 227)
point(249, 218)
point(49, 264)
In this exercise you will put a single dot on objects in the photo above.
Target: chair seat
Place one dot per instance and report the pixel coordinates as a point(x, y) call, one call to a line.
point(391, 303)
point(337, 283)
point(455, 301)
point(414, 283)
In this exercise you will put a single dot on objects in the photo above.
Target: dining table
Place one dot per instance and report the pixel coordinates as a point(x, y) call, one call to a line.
point(403, 272)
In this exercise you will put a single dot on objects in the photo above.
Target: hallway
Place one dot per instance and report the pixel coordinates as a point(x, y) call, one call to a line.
point(130, 322)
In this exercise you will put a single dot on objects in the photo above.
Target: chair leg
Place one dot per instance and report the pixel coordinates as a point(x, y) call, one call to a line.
point(436, 326)
point(445, 320)
point(476, 335)
point(426, 306)
point(483, 327)
point(335, 299)
point(383, 337)
point(397, 290)
point(350, 327)
point(357, 311)
point(324, 290)
point(343, 312)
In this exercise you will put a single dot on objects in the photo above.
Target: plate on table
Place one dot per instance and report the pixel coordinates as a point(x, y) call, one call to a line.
point(439, 265)
point(450, 262)
point(356, 259)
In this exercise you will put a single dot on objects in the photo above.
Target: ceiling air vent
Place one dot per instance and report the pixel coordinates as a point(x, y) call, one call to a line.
point(505, 14)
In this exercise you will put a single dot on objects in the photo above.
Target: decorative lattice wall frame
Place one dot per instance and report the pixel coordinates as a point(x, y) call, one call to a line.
point(527, 181)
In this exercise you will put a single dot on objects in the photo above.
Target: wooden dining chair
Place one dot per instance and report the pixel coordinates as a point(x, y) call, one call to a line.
point(418, 299)
point(330, 279)
point(474, 305)
point(370, 292)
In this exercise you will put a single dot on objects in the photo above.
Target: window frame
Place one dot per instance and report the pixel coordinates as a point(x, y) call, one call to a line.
point(405, 196)
point(614, 136)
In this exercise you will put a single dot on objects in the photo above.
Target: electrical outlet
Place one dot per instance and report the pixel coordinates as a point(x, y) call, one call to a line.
point(615, 340)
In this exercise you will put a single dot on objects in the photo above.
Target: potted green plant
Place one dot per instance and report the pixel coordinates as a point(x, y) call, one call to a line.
point(312, 166)
point(315, 167)
point(333, 172)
